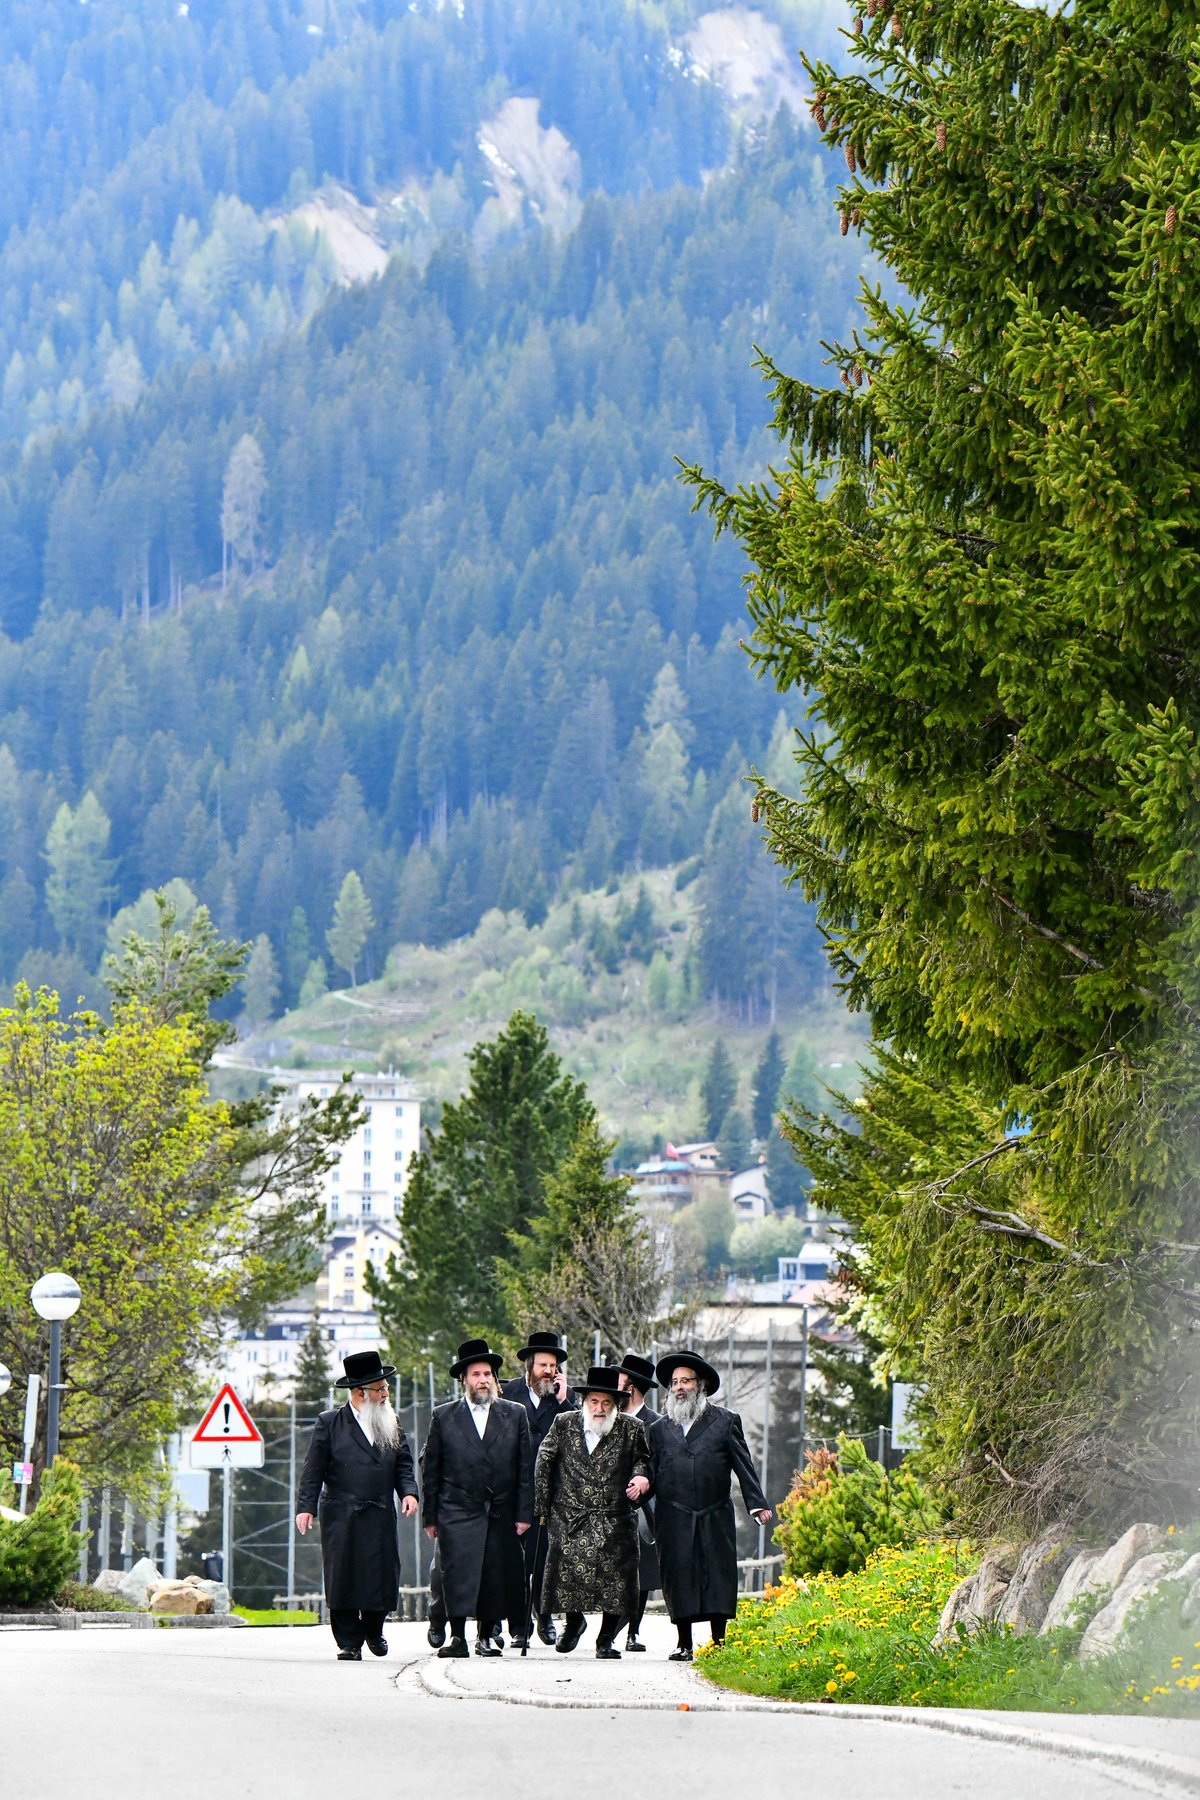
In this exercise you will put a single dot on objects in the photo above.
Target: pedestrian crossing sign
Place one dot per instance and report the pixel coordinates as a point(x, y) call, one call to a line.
point(226, 1437)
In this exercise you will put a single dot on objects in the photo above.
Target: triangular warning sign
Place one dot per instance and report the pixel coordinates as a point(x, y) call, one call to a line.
point(227, 1422)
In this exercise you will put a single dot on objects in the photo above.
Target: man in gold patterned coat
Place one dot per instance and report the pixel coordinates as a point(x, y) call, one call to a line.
point(592, 1469)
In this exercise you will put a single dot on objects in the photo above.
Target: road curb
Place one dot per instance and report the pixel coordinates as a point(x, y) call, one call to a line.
point(1180, 1772)
point(136, 1621)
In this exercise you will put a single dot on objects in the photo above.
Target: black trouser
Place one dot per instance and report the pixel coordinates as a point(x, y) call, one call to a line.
point(610, 1624)
point(437, 1602)
point(716, 1624)
point(640, 1611)
point(352, 1628)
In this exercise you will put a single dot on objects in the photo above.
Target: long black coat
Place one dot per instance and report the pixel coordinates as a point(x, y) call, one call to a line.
point(349, 1484)
point(541, 1417)
point(648, 1574)
point(694, 1525)
point(591, 1527)
point(475, 1491)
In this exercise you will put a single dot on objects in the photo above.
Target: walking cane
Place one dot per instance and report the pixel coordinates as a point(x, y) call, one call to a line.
point(528, 1632)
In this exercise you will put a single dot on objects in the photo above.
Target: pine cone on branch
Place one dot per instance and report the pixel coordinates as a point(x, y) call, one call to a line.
point(754, 811)
point(1171, 220)
point(872, 8)
point(940, 135)
point(845, 217)
point(851, 164)
point(897, 27)
point(819, 116)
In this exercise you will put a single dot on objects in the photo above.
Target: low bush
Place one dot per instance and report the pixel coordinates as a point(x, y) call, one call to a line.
point(867, 1637)
point(843, 1507)
point(37, 1554)
point(78, 1596)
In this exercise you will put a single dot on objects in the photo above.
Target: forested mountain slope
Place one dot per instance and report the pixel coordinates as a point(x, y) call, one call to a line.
point(476, 643)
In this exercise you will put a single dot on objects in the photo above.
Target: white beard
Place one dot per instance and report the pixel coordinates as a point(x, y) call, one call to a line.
point(601, 1427)
point(379, 1416)
point(685, 1409)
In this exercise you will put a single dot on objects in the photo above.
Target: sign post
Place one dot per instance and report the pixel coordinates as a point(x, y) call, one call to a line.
point(28, 1433)
point(227, 1439)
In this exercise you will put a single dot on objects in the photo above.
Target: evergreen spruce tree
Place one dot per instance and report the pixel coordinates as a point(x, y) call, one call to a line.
point(718, 1088)
point(312, 1369)
point(768, 1077)
point(979, 558)
point(481, 1177)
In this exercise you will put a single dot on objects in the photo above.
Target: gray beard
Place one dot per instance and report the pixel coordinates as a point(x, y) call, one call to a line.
point(380, 1417)
point(685, 1409)
point(601, 1427)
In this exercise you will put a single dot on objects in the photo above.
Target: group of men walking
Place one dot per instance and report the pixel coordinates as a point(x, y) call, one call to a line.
point(540, 1500)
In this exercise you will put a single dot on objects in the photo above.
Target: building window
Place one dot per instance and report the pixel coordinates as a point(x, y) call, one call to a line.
point(366, 1203)
point(397, 1205)
point(334, 1208)
point(366, 1157)
point(399, 1156)
point(366, 1178)
point(367, 1135)
point(337, 1175)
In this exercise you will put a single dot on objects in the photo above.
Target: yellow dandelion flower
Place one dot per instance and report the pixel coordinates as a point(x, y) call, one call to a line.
point(831, 1687)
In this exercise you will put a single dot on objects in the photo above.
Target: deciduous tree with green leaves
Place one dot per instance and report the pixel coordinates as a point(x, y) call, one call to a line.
point(978, 561)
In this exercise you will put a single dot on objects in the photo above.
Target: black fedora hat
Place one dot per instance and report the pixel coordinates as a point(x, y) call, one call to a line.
point(601, 1380)
point(640, 1371)
point(688, 1359)
point(543, 1343)
point(473, 1351)
point(363, 1367)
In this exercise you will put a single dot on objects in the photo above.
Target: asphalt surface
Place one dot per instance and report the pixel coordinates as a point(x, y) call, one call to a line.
point(271, 1712)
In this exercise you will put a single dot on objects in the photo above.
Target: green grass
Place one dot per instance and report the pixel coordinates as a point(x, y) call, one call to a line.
point(866, 1638)
point(279, 1615)
point(80, 1596)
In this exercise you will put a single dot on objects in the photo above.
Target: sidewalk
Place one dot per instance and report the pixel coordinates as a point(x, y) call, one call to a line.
point(1167, 1750)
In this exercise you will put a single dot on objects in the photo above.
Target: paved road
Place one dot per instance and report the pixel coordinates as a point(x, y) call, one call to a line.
point(143, 1714)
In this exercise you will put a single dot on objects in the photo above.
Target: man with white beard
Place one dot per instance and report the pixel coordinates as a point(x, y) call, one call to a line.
point(357, 1460)
point(696, 1449)
point(592, 1470)
point(478, 1500)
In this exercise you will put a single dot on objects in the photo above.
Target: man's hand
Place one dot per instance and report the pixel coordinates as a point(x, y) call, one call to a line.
point(408, 1505)
point(303, 1521)
point(522, 1528)
point(637, 1487)
point(560, 1385)
point(764, 1515)
point(431, 1532)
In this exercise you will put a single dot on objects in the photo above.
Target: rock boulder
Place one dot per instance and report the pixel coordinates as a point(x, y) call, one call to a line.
point(1073, 1589)
point(1112, 1620)
point(135, 1585)
point(216, 1591)
point(975, 1600)
point(178, 1599)
point(1037, 1575)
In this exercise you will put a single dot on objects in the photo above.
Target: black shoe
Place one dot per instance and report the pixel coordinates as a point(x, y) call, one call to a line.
point(456, 1647)
point(487, 1647)
point(377, 1646)
point(570, 1637)
point(498, 1639)
point(349, 1655)
point(680, 1654)
point(634, 1643)
point(547, 1630)
point(436, 1636)
point(520, 1643)
point(606, 1650)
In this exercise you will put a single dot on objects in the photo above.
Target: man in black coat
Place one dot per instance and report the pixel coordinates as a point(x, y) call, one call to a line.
point(357, 1460)
point(696, 1449)
point(636, 1377)
point(477, 1469)
point(542, 1390)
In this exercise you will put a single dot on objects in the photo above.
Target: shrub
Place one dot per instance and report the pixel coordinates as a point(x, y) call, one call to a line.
point(79, 1596)
point(844, 1506)
point(37, 1554)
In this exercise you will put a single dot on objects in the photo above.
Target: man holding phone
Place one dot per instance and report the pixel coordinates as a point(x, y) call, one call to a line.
point(542, 1390)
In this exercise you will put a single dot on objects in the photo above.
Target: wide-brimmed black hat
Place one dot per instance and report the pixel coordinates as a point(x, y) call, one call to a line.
point(640, 1371)
point(473, 1351)
point(688, 1359)
point(362, 1368)
point(600, 1380)
point(543, 1343)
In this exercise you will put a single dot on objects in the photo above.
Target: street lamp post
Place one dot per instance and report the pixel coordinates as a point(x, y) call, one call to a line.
point(55, 1297)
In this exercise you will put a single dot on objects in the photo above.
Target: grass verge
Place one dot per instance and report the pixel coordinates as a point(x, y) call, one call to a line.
point(273, 1616)
point(866, 1637)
